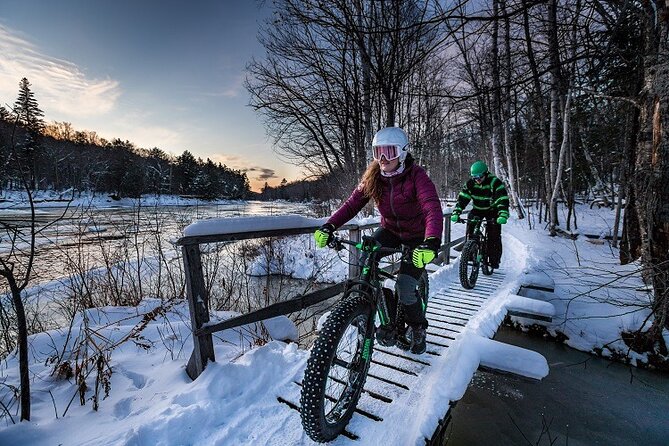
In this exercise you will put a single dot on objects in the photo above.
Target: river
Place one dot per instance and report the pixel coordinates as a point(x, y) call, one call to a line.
point(95, 257)
point(584, 400)
point(94, 237)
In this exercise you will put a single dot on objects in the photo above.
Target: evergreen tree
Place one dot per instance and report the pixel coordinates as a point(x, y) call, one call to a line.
point(186, 170)
point(27, 109)
point(4, 114)
point(29, 115)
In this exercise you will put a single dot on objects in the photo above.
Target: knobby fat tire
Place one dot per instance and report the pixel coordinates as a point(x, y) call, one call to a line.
point(321, 426)
point(485, 264)
point(469, 253)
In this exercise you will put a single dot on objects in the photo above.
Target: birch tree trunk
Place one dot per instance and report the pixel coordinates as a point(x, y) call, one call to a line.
point(554, 54)
point(559, 167)
point(510, 180)
point(364, 154)
point(498, 165)
point(600, 186)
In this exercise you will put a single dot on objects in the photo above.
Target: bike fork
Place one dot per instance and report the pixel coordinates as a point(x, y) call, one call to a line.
point(369, 335)
point(382, 308)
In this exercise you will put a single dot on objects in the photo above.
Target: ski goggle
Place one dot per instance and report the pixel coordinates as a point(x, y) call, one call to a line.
point(478, 176)
point(390, 152)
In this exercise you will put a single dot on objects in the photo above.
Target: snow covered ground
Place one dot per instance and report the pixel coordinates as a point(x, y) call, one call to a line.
point(18, 200)
point(152, 401)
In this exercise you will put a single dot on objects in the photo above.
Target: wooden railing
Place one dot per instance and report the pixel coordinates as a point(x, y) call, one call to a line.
point(198, 300)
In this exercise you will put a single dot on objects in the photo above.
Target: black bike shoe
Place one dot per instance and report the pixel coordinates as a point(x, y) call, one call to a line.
point(386, 335)
point(418, 337)
point(404, 340)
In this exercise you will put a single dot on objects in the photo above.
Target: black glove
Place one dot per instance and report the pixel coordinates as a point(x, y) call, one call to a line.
point(432, 243)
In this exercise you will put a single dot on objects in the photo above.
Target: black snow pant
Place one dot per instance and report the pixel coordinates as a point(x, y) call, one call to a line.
point(412, 309)
point(494, 233)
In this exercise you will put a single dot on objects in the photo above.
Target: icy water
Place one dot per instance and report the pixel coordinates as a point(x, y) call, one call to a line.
point(75, 238)
point(128, 248)
point(585, 400)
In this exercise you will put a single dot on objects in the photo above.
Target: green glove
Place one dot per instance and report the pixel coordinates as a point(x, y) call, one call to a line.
point(455, 217)
point(323, 235)
point(501, 220)
point(425, 252)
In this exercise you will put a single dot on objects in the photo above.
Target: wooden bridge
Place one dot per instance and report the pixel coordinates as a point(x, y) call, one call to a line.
point(400, 386)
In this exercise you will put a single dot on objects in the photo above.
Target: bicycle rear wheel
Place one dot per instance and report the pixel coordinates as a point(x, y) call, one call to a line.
point(337, 369)
point(485, 260)
point(469, 265)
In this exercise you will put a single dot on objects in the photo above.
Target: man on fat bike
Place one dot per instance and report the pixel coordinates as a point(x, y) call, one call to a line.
point(489, 201)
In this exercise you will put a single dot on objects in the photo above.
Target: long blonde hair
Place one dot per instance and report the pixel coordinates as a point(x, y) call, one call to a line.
point(371, 182)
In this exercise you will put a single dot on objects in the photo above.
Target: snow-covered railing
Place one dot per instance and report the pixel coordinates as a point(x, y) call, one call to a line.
point(245, 228)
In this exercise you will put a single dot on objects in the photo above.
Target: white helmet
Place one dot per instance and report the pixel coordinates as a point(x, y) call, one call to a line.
point(387, 138)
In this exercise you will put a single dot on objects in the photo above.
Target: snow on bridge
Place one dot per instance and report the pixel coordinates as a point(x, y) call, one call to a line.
point(407, 397)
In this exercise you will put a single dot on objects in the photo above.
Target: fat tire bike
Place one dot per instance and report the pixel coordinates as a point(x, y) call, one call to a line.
point(474, 253)
point(337, 368)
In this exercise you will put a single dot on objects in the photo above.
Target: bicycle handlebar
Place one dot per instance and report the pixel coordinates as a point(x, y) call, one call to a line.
point(473, 219)
point(337, 243)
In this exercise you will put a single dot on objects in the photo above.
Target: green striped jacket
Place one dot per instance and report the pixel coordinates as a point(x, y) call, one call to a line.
point(490, 194)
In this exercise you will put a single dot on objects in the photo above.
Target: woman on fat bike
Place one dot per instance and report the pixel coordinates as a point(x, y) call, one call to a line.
point(411, 215)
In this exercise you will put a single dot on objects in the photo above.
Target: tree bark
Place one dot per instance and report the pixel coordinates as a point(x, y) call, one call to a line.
point(498, 166)
point(514, 199)
point(560, 165)
point(554, 55)
point(22, 328)
point(538, 102)
point(652, 163)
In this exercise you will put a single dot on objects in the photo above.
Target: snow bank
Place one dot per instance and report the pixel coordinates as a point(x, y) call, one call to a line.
point(235, 400)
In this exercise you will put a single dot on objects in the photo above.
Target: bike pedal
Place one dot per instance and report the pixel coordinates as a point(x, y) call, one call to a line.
point(386, 337)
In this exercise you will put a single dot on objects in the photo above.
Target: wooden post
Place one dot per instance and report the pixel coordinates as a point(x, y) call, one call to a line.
point(198, 306)
point(353, 256)
point(447, 238)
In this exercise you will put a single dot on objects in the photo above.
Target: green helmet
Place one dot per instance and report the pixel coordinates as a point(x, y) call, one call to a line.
point(478, 169)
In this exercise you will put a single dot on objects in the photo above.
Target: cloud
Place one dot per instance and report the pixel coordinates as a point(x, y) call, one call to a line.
point(238, 162)
point(264, 173)
point(60, 87)
point(232, 89)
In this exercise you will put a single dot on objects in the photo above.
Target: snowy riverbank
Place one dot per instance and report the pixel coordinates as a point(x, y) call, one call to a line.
point(151, 401)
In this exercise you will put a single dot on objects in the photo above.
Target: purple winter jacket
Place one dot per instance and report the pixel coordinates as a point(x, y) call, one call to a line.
point(409, 205)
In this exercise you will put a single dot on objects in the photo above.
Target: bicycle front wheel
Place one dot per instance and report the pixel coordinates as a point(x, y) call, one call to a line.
point(337, 369)
point(469, 265)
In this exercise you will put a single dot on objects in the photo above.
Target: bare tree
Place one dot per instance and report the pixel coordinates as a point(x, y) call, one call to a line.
point(16, 268)
point(334, 71)
point(651, 172)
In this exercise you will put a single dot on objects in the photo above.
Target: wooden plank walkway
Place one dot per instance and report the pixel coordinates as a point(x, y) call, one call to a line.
point(394, 373)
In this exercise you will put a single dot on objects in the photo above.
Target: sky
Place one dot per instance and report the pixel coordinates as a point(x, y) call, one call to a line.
point(235, 400)
point(159, 73)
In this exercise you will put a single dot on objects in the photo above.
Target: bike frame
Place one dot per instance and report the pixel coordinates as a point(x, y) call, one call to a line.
point(480, 229)
point(369, 280)
point(479, 233)
point(324, 417)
